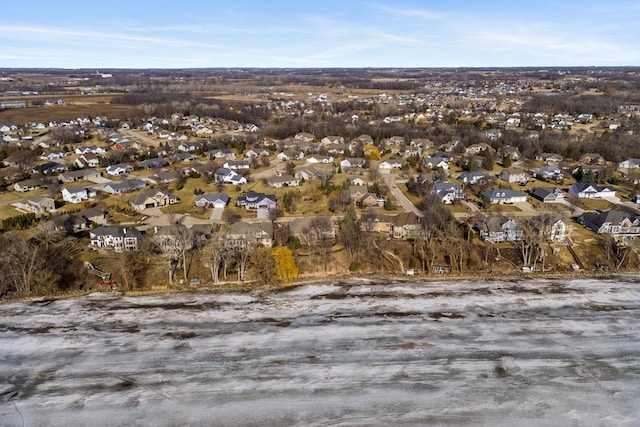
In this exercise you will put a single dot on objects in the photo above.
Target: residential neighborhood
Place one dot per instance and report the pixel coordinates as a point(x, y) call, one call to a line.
point(263, 180)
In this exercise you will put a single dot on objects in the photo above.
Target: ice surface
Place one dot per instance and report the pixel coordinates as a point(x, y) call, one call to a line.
point(538, 352)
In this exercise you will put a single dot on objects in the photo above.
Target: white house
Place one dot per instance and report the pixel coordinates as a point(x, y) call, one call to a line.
point(215, 201)
point(504, 195)
point(77, 194)
point(119, 169)
point(319, 159)
point(389, 164)
point(591, 191)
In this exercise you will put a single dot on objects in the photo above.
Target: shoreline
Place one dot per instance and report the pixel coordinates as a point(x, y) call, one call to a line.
point(246, 287)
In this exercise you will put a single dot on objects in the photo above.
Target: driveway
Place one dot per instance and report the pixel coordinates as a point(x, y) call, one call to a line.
point(216, 214)
point(398, 195)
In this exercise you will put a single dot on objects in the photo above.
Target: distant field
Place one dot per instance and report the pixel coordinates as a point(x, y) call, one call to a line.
point(48, 113)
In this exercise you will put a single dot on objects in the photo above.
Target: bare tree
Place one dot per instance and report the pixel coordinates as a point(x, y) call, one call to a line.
point(325, 175)
point(216, 249)
point(183, 242)
point(23, 261)
point(350, 233)
point(242, 257)
point(319, 236)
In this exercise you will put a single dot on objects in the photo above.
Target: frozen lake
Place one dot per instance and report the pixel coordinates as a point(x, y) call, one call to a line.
point(544, 352)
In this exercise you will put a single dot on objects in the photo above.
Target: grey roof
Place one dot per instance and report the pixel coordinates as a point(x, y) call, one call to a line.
point(505, 193)
point(116, 231)
point(214, 197)
point(542, 193)
point(599, 218)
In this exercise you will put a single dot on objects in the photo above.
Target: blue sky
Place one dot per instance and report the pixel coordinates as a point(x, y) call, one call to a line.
point(320, 33)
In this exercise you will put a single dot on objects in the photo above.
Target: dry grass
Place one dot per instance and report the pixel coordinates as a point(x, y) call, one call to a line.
point(48, 113)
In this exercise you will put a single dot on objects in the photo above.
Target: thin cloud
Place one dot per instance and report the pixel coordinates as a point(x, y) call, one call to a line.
point(47, 33)
point(402, 12)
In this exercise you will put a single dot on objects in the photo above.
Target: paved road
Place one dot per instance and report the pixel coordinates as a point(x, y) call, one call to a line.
point(401, 199)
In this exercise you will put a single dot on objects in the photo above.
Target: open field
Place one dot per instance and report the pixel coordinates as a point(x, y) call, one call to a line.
point(48, 113)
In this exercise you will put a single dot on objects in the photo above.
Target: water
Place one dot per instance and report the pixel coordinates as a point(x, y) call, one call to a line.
point(359, 353)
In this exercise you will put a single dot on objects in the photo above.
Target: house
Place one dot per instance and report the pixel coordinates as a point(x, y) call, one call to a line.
point(87, 160)
point(183, 157)
point(54, 155)
point(504, 196)
point(479, 148)
point(254, 200)
point(513, 175)
point(390, 164)
point(283, 180)
point(560, 231)
point(30, 184)
point(125, 144)
point(354, 193)
point(124, 186)
point(319, 159)
point(153, 198)
point(547, 194)
point(363, 139)
point(353, 162)
point(119, 169)
point(163, 177)
point(331, 140)
point(435, 162)
point(511, 152)
point(338, 149)
point(369, 200)
point(306, 172)
point(212, 201)
point(171, 238)
point(410, 151)
point(548, 172)
point(70, 222)
point(156, 162)
point(549, 158)
point(189, 147)
point(83, 219)
point(224, 153)
point(115, 238)
point(236, 165)
point(36, 204)
point(79, 175)
point(496, 229)
point(591, 191)
point(613, 222)
point(289, 155)
point(90, 150)
point(313, 230)
point(629, 164)
point(447, 192)
point(633, 178)
point(492, 134)
point(49, 168)
point(304, 137)
point(356, 180)
point(592, 159)
point(77, 194)
point(406, 225)
point(242, 235)
point(449, 147)
point(376, 223)
point(227, 176)
point(473, 177)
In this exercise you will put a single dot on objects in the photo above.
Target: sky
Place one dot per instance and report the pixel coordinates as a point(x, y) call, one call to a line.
point(318, 33)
